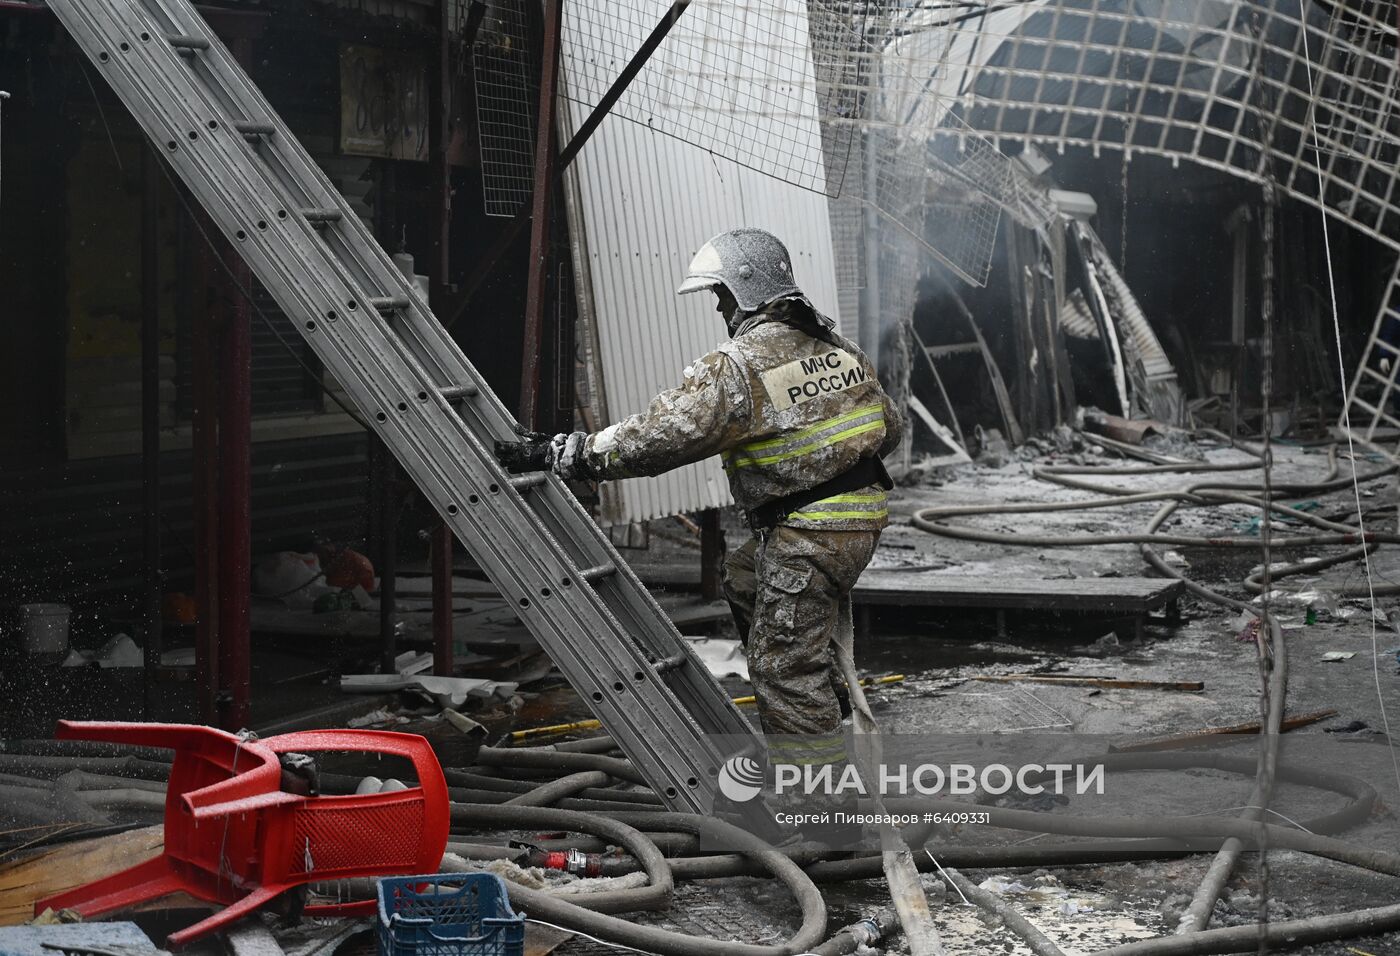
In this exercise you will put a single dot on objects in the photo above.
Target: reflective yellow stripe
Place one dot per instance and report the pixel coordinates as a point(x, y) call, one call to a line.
point(837, 515)
point(808, 752)
point(812, 430)
point(852, 499)
point(877, 498)
point(749, 461)
point(836, 741)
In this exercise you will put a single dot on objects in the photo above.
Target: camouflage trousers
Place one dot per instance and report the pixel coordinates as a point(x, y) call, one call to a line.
point(785, 587)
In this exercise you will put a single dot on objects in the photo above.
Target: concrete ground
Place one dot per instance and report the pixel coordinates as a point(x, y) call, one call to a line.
point(1123, 901)
point(1088, 907)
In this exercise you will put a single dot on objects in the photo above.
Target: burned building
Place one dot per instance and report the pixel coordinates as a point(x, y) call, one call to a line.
point(323, 310)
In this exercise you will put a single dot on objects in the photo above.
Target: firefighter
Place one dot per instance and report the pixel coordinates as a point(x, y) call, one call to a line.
point(801, 423)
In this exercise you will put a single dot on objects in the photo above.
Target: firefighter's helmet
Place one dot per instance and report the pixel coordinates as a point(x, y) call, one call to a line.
point(752, 264)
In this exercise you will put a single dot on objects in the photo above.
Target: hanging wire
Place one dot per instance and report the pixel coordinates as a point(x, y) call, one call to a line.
point(3, 97)
point(1346, 408)
point(1266, 527)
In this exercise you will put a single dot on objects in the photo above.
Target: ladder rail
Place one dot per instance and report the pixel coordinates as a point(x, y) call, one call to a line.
point(641, 616)
point(377, 372)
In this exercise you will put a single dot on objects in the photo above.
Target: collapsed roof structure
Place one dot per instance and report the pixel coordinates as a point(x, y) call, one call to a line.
point(1297, 96)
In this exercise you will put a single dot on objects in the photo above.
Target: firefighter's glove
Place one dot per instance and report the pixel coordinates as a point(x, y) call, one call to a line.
point(568, 459)
point(533, 454)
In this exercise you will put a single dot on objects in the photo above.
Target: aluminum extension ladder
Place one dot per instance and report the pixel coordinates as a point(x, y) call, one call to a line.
point(372, 330)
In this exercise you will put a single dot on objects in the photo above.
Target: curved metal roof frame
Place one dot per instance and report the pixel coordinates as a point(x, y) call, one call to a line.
point(1298, 95)
point(1297, 91)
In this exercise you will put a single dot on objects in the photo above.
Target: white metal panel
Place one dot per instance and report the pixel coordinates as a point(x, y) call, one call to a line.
point(644, 203)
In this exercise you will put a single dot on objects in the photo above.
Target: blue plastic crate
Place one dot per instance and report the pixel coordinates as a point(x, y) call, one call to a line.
point(448, 914)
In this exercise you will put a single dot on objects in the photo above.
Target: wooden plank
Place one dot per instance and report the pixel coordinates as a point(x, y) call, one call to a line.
point(1216, 734)
point(1008, 415)
point(958, 454)
point(936, 589)
point(962, 348)
point(942, 392)
point(1190, 686)
point(73, 864)
point(1125, 595)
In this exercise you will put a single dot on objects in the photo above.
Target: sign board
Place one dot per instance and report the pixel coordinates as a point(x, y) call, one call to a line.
point(383, 103)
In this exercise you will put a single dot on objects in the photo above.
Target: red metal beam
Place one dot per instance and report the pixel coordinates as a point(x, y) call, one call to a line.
point(150, 427)
point(546, 156)
point(235, 498)
point(205, 435)
point(236, 453)
point(440, 103)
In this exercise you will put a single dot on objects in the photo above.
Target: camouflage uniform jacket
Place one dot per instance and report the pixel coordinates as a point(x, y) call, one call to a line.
point(787, 409)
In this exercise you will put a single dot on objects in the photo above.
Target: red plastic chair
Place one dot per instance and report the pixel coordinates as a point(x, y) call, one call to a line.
point(232, 836)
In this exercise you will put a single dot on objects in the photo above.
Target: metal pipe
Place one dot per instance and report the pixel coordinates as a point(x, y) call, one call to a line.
point(440, 120)
point(624, 80)
point(541, 217)
point(440, 555)
point(235, 500)
point(204, 433)
point(385, 474)
point(1038, 942)
point(235, 479)
point(150, 425)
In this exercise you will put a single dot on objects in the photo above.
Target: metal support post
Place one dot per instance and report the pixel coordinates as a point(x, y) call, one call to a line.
point(541, 221)
point(439, 124)
point(150, 426)
point(236, 480)
point(869, 329)
point(440, 106)
point(205, 491)
point(235, 496)
point(440, 555)
point(386, 475)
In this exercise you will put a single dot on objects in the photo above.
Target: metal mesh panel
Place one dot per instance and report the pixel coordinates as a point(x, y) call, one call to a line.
point(505, 107)
point(902, 259)
point(1372, 401)
point(947, 192)
point(1299, 92)
point(745, 79)
point(1238, 86)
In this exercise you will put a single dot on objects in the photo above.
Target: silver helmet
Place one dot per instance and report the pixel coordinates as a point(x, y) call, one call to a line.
point(752, 264)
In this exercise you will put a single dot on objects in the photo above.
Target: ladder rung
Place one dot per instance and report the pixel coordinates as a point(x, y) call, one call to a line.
point(1371, 373)
point(181, 42)
point(327, 214)
point(250, 128)
point(389, 303)
point(523, 482)
point(455, 393)
point(669, 663)
point(597, 572)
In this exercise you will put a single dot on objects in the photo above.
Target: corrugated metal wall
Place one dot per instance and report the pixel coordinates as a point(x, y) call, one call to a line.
point(644, 203)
